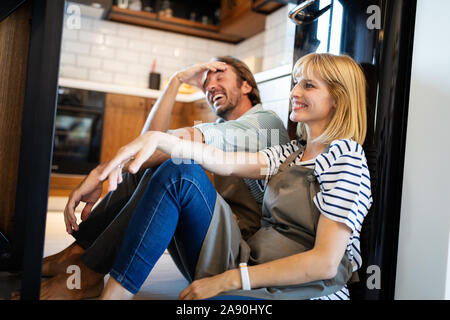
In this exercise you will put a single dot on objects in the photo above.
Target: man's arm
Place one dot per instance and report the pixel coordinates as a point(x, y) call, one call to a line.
point(159, 117)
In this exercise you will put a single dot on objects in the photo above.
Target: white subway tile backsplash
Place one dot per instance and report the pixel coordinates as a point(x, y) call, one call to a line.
point(159, 49)
point(100, 76)
point(75, 47)
point(73, 72)
point(85, 23)
point(173, 39)
point(138, 69)
point(153, 35)
point(125, 79)
point(105, 27)
point(70, 34)
point(129, 31)
point(91, 37)
point(102, 51)
point(127, 55)
point(68, 58)
point(107, 51)
point(139, 45)
point(114, 65)
point(197, 44)
point(88, 62)
point(116, 42)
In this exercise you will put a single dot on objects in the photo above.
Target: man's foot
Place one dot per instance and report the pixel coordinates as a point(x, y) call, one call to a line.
point(79, 283)
point(66, 286)
point(58, 263)
point(57, 288)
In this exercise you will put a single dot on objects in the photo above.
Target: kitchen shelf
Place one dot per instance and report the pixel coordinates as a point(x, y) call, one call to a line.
point(174, 24)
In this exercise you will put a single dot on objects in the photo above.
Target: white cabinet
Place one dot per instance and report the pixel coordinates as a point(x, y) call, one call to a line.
point(275, 91)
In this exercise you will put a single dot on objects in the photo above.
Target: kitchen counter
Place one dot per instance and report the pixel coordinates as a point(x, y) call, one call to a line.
point(133, 91)
point(260, 77)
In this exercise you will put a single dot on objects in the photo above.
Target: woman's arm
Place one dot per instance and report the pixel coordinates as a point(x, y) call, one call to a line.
point(242, 164)
point(319, 263)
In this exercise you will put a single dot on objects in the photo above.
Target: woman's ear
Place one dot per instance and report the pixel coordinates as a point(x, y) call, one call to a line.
point(333, 103)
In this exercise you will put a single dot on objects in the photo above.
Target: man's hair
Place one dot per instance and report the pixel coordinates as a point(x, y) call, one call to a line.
point(243, 74)
point(347, 86)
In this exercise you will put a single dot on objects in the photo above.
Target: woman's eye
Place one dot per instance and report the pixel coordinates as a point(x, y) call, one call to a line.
point(308, 85)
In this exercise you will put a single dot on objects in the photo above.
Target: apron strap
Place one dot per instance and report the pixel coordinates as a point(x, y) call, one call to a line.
point(291, 158)
point(294, 155)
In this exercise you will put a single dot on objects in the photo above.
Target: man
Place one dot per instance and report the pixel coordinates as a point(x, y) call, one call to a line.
point(232, 93)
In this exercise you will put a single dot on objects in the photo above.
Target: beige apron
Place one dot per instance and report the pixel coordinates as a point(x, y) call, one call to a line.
point(288, 226)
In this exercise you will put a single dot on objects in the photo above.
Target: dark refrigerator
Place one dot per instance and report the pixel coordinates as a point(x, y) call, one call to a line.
point(379, 36)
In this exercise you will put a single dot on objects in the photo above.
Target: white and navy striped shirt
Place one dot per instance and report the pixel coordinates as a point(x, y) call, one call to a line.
point(256, 130)
point(345, 195)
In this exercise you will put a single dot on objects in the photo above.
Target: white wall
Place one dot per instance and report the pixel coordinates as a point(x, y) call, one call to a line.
point(112, 52)
point(423, 270)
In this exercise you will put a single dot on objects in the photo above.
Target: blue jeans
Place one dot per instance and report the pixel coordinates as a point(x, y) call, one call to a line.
point(177, 206)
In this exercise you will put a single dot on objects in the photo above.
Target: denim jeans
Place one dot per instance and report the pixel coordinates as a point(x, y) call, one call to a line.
point(177, 206)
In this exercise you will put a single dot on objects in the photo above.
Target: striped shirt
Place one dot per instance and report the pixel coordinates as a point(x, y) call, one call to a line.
point(345, 195)
point(255, 130)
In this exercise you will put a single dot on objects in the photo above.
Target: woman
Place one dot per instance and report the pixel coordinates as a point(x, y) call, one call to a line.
point(317, 193)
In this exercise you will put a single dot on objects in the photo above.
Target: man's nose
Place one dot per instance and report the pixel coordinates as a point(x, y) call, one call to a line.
point(211, 85)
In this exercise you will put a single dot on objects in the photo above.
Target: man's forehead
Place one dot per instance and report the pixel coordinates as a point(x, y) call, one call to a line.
point(208, 73)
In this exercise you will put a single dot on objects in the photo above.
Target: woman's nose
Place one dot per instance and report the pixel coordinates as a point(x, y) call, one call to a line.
point(296, 91)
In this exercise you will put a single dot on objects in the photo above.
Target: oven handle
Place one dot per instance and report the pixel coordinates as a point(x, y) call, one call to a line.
point(299, 17)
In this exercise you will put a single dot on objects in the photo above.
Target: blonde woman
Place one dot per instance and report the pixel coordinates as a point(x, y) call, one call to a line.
point(317, 193)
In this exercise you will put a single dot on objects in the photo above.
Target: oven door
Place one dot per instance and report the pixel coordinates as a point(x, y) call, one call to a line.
point(78, 136)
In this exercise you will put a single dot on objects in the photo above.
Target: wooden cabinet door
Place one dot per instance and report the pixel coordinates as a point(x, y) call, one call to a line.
point(189, 114)
point(124, 119)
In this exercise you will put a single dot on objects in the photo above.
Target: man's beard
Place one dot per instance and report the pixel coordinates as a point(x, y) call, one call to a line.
point(223, 112)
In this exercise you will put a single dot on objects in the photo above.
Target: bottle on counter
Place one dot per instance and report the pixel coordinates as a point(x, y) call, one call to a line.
point(155, 78)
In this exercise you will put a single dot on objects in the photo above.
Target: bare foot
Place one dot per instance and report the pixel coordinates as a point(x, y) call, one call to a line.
point(58, 263)
point(65, 286)
point(115, 291)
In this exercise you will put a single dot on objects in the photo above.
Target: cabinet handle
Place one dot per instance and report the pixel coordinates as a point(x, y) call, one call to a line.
point(299, 17)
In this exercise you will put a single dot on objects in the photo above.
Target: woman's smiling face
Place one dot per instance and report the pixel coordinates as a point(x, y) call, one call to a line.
point(311, 101)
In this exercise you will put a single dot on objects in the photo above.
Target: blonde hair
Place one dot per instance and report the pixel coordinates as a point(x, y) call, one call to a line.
point(347, 86)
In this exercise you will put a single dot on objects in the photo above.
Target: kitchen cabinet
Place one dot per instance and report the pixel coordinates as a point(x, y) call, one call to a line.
point(174, 24)
point(239, 20)
point(124, 118)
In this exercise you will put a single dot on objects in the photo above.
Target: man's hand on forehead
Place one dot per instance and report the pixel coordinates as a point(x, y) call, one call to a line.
point(218, 66)
point(196, 75)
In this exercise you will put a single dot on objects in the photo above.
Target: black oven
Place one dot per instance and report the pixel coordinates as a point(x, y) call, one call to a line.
point(78, 131)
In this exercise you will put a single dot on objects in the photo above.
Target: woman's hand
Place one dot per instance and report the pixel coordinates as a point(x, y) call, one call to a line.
point(137, 152)
point(212, 286)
